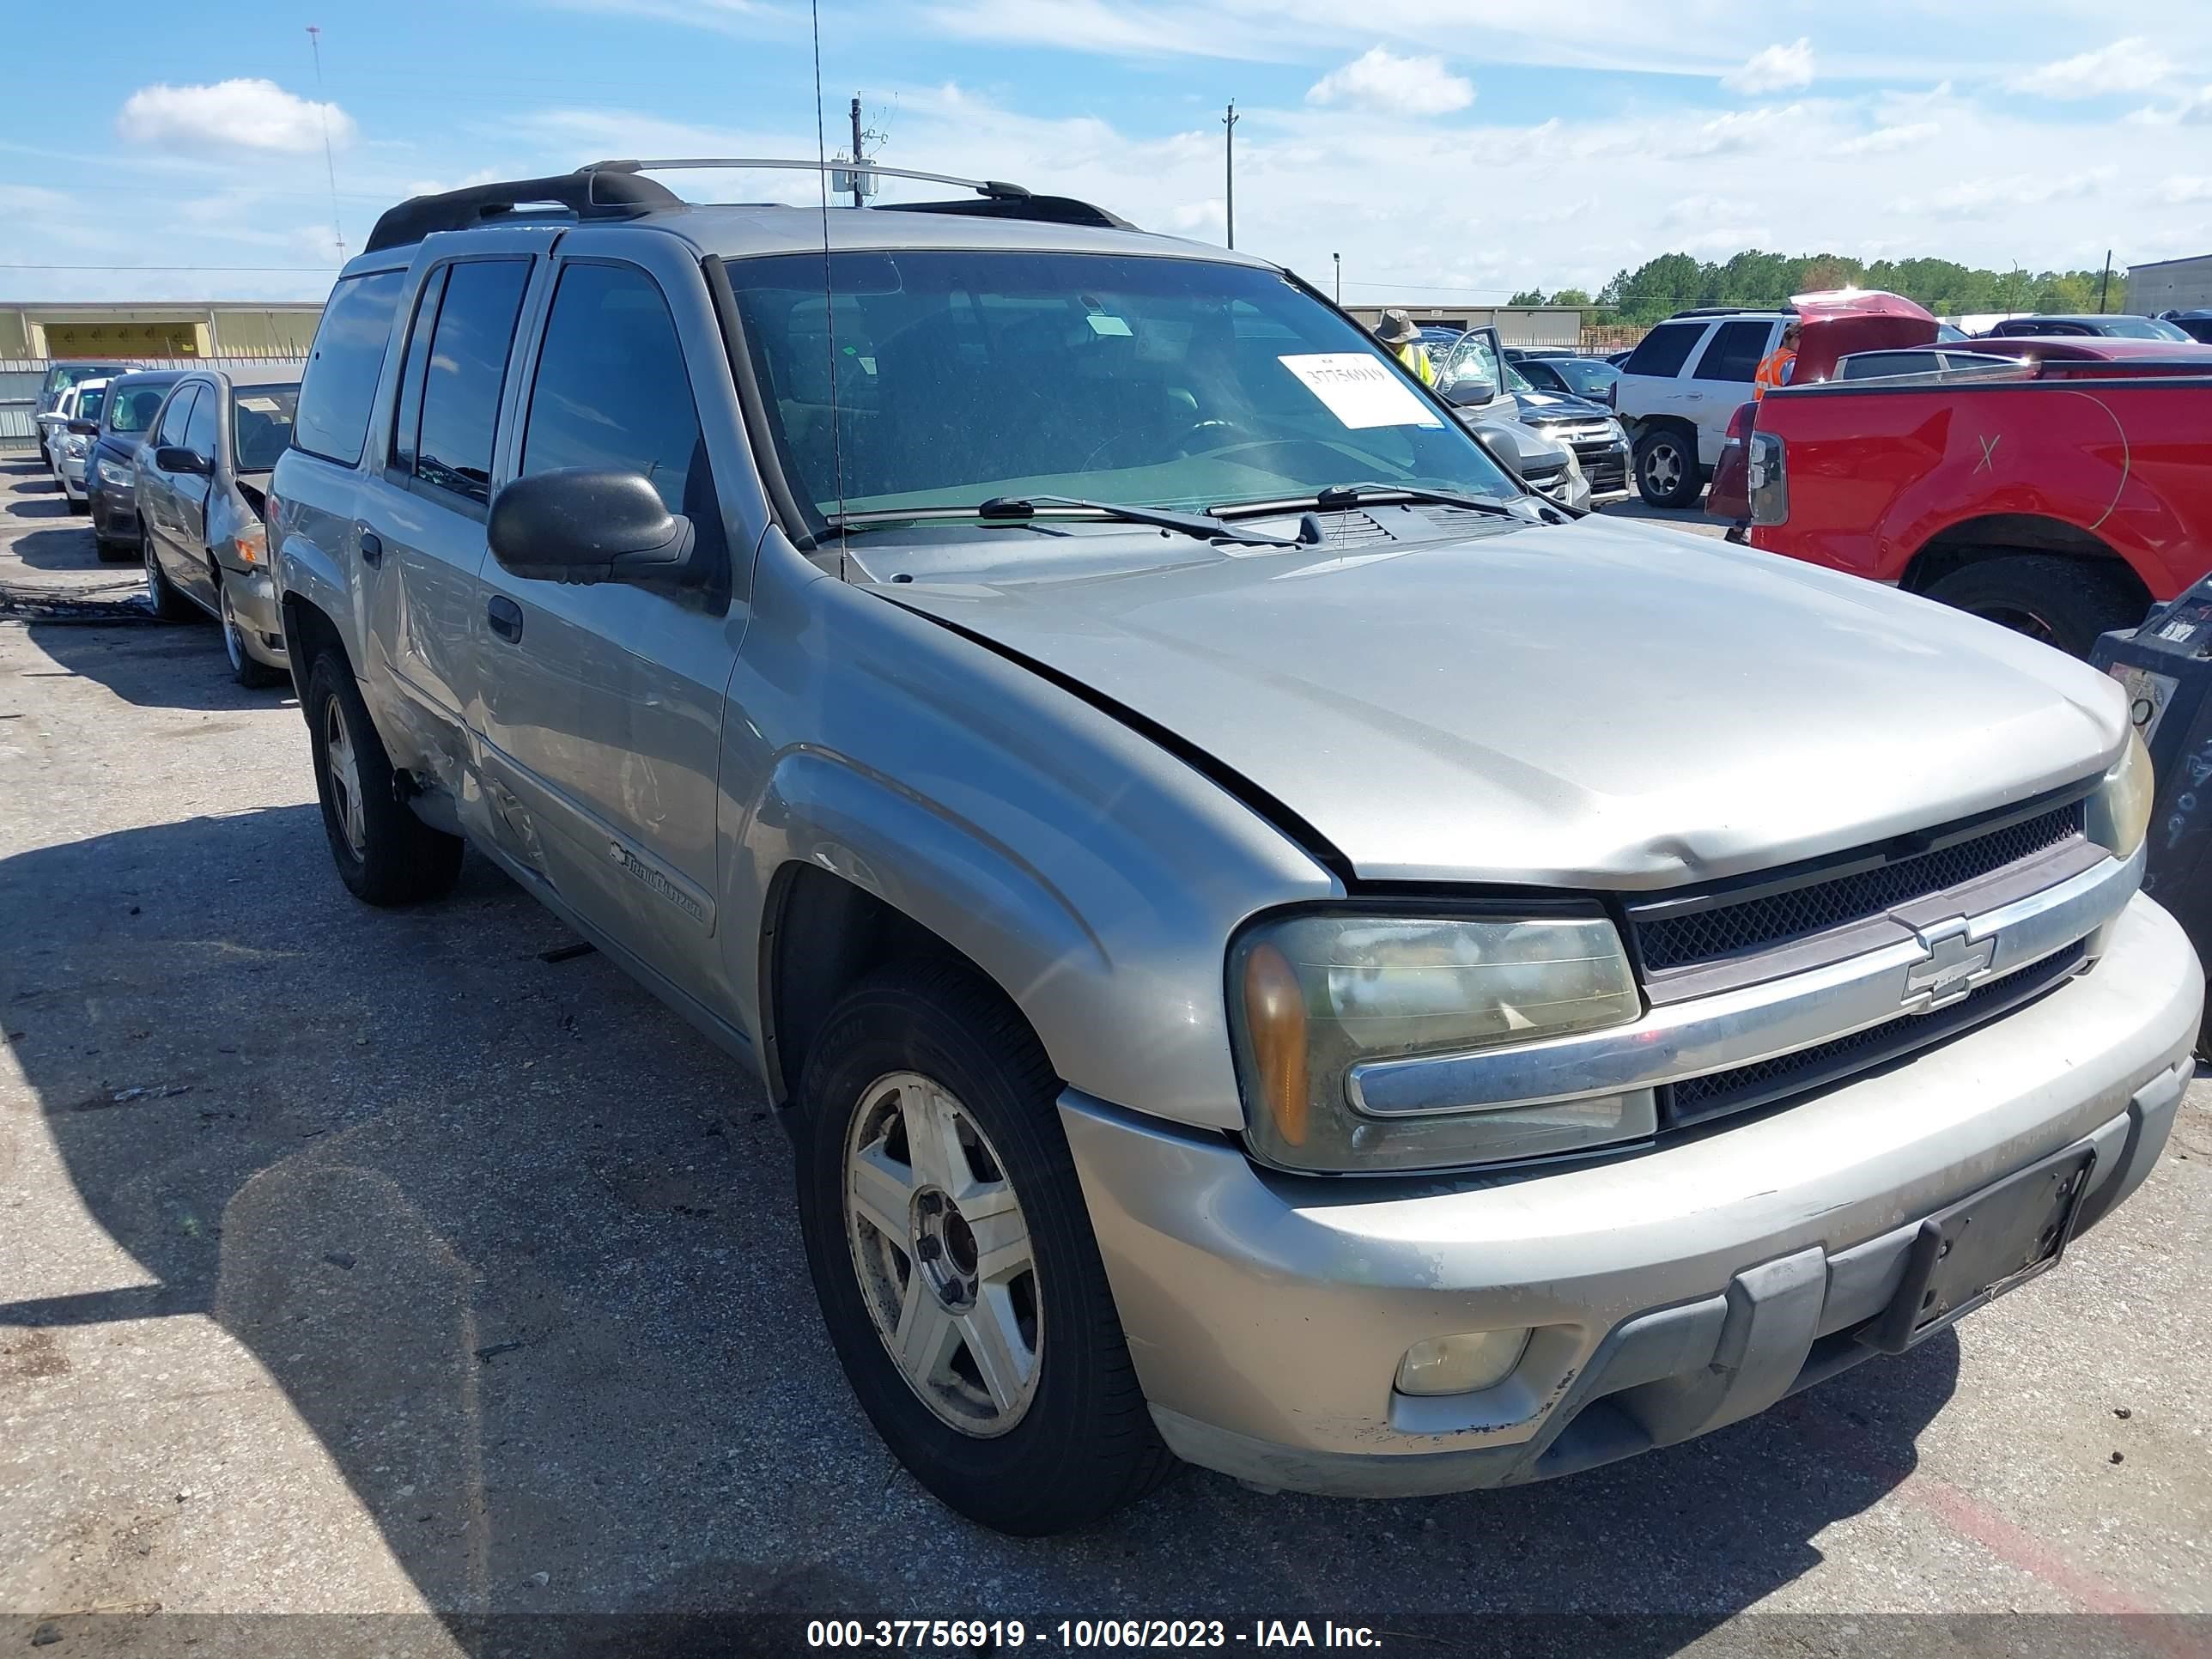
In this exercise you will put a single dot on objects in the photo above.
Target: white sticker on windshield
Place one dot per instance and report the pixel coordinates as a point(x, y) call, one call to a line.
point(1359, 390)
point(1101, 324)
point(260, 405)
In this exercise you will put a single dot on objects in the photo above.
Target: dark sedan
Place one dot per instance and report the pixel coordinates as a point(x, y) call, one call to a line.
point(110, 489)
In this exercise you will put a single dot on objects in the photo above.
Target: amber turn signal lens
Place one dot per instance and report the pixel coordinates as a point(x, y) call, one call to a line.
point(1275, 1014)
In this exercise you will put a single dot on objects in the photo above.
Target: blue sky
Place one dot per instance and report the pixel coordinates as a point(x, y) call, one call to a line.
point(1447, 149)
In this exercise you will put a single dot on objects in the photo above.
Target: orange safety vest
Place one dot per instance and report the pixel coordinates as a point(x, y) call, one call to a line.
point(1774, 371)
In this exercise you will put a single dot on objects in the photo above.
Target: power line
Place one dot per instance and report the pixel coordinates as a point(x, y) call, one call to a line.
point(319, 270)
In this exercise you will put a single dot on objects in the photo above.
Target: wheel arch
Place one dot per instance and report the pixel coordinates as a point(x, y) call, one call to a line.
point(1999, 535)
point(308, 632)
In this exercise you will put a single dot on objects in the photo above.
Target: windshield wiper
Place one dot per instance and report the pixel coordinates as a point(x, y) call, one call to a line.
point(1010, 509)
point(1340, 497)
point(1204, 525)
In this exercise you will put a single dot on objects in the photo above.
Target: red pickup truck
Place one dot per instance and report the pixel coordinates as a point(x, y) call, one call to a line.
point(2056, 486)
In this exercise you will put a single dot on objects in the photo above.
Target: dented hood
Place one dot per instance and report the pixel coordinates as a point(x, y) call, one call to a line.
point(1590, 704)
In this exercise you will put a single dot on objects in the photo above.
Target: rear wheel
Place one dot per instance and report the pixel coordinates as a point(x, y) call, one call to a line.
point(384, 854)
point(1667, 468)
point(954, 1260)
point(2064, 602)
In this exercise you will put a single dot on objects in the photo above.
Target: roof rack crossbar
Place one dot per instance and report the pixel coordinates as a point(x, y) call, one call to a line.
point(995, 188)
point(588, 194)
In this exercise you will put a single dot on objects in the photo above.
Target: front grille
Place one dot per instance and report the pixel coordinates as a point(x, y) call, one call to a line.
point(1762, 919)
point(1744, 1087)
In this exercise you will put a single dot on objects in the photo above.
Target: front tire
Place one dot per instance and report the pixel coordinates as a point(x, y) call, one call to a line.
point(386, 855)
point(953, 1257)
point(246, 668)
point(2064, 602)
point(1667, 468)
point(168, 604)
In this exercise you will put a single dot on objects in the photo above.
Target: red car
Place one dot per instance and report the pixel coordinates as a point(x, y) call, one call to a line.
point(2059, 486)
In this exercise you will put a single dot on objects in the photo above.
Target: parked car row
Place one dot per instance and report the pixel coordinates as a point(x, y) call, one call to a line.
point(173, 467)
point(1273, 945)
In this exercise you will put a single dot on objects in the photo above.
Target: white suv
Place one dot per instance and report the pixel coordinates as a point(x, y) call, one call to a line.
point(1678, 389)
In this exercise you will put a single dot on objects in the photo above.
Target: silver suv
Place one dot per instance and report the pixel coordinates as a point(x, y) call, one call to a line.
point(1273, 945)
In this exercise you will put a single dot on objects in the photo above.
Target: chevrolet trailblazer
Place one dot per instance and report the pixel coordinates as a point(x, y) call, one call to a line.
point(1274, 946)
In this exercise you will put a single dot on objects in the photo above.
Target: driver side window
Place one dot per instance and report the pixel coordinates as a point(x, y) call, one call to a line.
point(174, 417)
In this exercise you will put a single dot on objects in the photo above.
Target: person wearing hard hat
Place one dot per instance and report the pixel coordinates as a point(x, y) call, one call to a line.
point(1396, 329)
point(1774, 368)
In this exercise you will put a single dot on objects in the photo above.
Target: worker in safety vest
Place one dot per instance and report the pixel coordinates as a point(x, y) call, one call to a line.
point(1396, 329)
point(1774, 368)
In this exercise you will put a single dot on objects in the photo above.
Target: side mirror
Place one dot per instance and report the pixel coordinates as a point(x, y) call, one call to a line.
point(1500, 449)
point(174, 458)
point(84, 428)
point(1467, 390)
point(590, 524)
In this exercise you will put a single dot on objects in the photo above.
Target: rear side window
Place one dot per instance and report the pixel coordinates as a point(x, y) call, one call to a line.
point(1664, 350)
point(611, 389)
point(344, 367)
point(133, 409)
point(178, 412)
point(200, 426)
point(1878, 365)
point(466, 367)
point(1734, 352)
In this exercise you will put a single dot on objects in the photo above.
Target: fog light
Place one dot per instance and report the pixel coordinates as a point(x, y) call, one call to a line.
point(1460, 1365)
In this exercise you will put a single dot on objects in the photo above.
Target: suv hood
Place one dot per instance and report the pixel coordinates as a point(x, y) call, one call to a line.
point(1590, 704)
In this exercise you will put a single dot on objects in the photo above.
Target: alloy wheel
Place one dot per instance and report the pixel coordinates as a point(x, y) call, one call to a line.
point(943, 1254)
point(1662, 466)
point(344, 770)
point(233, 642)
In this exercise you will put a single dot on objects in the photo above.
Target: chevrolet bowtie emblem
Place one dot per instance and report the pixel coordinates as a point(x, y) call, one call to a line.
point(1954, 964)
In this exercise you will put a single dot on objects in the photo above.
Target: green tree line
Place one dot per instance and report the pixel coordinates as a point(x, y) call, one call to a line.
point(1755, 280)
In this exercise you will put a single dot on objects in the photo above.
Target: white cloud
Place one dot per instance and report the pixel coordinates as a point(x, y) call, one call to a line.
point(248, 115)
point(2193, 110)
point(2181, 191)
point(1882, 141)
point(1774, 69)
point(2133, 64)
point(1381, 80)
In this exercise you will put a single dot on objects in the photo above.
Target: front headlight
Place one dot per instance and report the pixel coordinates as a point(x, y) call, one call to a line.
point(1312, 996)
point(1616, 433)
point(74, 445)
point(114, 474)
point(2119, 812)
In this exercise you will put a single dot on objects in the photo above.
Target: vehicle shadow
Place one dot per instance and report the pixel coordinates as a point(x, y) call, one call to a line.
point(177, 666)
point(518, 1247)
point(62, 548)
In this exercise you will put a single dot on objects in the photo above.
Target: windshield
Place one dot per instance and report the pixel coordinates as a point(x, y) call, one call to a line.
point(1585, 375)
point(1180, 383)
point(261, 424)
point(134, 406)
point(2145, 328)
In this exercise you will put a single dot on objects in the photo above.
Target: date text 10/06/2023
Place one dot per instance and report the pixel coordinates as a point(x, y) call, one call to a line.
point(996, 1635)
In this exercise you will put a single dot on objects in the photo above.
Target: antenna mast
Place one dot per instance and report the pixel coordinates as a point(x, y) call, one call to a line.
point(323, 116)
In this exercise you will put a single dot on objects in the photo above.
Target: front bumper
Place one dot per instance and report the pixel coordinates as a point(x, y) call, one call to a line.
point(1670, 1292)
point(114, 511)
point(71, 470)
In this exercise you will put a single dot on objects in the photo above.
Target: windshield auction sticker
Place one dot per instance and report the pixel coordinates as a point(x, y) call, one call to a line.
point(1360, 390)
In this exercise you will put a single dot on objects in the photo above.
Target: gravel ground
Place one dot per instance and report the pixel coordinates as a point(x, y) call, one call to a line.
point(360, 1264)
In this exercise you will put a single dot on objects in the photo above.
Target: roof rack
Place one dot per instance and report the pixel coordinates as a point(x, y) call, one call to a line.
point(616, 189)
point(1001, 200)
point(589, 193)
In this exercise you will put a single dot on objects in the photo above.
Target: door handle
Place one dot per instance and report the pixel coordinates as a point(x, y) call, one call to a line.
point(505, 617)
point(371, 549)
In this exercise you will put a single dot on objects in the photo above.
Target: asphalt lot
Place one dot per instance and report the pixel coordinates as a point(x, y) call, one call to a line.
point(358, 1263)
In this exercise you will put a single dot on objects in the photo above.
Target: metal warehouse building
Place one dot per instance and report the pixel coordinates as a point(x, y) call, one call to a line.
point(2170, 285)
point(159, 328)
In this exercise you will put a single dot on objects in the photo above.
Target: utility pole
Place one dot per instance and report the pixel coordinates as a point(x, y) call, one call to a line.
point(1228, 165)
point(1338, 260)
point(857, 157)
point(2107, 283)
